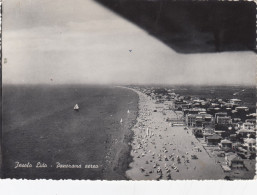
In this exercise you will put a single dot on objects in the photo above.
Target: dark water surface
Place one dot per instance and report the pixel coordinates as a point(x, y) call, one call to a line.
point(40, 125)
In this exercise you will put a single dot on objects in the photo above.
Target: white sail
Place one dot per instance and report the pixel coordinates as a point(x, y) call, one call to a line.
point(128, 112)
point(76, 107)
point(121, 120)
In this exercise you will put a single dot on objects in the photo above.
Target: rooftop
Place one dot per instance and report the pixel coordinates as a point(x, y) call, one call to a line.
point(225, 141)
point(250, 140)
point(234, 158)
point(215, 136)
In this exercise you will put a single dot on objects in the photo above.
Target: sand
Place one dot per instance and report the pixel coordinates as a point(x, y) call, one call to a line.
point(157, 148)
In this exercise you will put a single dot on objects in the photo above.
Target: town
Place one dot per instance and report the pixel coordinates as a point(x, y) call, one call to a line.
point(225, 127)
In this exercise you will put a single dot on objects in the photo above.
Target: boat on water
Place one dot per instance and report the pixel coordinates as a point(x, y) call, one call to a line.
point(76, 107)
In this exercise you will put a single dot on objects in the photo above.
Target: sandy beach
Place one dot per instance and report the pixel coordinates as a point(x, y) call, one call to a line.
point(161, 151)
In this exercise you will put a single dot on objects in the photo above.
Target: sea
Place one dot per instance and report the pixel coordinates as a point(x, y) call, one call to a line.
point(43, 137)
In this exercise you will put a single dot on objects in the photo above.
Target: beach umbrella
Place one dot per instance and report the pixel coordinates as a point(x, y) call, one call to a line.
point(147, 131)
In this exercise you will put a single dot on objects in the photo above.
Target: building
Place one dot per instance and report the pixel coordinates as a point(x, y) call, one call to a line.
point(190, 120)
point(249, 126)
point(214, 104)
point(179, 105)
point(250, 144)
point(224, 120)
point(242, 108)
point(252, 120)
point(234, 161)
point(252, 116)
point(199, 120)
point(225, 144)
point(228, 105)
point(208, 130)
point(214, 139)
point(220, 114)
point(193, 111)
point(245, 133)
point(236, 120)
point(235, 102)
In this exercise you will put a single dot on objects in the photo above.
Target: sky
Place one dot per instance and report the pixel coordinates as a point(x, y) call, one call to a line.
point(81, 42)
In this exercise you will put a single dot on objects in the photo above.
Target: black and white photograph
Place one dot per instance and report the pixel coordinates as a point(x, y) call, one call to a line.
point(128, 90)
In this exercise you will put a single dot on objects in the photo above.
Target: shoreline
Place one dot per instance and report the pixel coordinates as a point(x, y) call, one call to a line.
point(156, 146)
point(128, 138)
point(122, 152)
point(129, 141)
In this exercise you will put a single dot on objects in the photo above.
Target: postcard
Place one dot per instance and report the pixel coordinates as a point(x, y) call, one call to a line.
point(128, 90)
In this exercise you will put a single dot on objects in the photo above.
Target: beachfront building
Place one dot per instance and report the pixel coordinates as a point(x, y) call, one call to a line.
point(214, 139)
point(199, 120)
point(207, 132)
point(193, 111)
point(179, 105)
point(225, 144)
point(190, 120)
point(234, 161)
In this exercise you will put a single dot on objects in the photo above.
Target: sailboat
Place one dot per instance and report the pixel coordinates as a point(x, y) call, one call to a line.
point(76, 107)
point(121, 120)
point(128, 112)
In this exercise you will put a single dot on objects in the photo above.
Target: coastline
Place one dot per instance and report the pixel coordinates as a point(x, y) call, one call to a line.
point(133, 149)
point(121, 150)
point(156, 146)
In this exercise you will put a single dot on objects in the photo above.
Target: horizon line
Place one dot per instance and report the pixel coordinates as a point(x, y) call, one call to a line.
point(123, 84)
